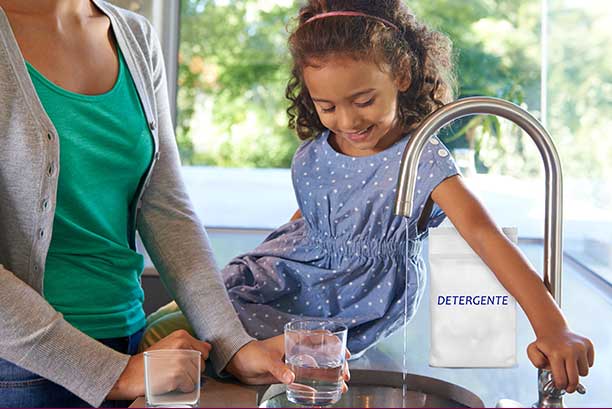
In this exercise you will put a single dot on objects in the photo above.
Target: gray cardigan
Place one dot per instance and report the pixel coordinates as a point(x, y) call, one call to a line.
point(32, 334)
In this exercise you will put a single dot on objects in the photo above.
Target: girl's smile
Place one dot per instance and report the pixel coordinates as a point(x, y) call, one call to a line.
point(357, 101)
point(360, 136)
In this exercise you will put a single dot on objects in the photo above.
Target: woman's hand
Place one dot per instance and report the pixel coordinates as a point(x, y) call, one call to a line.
point(261, 362)
point(130, 384)
point(566, 354)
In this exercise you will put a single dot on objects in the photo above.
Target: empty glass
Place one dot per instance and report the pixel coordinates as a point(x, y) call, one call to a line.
point(172, 378)
point(315, 352)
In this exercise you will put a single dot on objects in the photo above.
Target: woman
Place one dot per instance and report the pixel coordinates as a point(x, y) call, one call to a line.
point(90, 77)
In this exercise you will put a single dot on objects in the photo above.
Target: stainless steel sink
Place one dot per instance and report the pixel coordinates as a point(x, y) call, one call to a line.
point(379, 389)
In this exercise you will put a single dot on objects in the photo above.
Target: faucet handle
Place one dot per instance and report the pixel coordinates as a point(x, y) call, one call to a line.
point(548, 395)
point(551, 390)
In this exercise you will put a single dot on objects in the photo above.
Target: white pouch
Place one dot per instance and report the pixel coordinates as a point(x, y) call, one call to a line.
point(473, 318)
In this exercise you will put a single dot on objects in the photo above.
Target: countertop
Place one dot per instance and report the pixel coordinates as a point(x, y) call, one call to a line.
point(222, 394)
point(585, 302)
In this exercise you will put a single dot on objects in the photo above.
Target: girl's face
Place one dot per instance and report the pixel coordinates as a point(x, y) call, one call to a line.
point(357, 102)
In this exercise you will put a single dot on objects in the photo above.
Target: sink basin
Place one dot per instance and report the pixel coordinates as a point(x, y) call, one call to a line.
point(379, 389)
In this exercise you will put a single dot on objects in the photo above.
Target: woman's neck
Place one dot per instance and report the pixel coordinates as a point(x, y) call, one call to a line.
point(49, 8)
point(58, 16)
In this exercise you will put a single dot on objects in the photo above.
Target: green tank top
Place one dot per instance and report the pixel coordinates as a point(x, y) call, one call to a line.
point(92, 276)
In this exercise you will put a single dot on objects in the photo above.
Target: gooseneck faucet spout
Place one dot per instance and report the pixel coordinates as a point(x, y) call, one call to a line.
point(552, 167)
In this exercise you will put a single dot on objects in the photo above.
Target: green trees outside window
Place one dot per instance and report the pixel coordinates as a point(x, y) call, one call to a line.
point(234, 66)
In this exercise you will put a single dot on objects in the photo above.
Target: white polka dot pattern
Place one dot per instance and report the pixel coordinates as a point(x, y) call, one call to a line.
point(345, 258)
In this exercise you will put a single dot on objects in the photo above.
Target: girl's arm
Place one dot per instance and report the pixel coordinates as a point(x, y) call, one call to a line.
point(556, 347)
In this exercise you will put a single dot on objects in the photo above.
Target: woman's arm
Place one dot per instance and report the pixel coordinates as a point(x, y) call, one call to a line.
point(37, 338)
point(567, 354)
point(179, 247)
point(175, 238)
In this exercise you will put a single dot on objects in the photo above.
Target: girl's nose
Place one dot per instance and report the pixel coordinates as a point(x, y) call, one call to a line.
point(347, 121)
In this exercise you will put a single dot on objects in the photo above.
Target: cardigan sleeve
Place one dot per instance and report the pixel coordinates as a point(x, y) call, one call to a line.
point(176, 240)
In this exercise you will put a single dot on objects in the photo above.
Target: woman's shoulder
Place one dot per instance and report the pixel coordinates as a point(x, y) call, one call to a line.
point(131, 22)
point(137, 34)
point(131, 18)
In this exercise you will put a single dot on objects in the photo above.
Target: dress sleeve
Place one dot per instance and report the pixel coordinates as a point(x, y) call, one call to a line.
point(435, 165)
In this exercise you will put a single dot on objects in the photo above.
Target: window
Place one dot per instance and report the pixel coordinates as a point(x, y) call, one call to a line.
point(579, 116)
point(231, 105)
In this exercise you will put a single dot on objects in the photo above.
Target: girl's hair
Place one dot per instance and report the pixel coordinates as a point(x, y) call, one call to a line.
point(409, 48)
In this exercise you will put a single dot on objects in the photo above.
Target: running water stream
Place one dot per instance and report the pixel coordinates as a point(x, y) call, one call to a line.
point(405, 351)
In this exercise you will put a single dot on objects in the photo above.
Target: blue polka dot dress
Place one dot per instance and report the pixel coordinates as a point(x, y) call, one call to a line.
point(346, 258)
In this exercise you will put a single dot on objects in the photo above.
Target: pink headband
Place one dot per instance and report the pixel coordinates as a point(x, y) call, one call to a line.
point(350, 14)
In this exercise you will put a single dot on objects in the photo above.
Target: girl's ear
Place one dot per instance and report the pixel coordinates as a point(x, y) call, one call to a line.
point(403, 82)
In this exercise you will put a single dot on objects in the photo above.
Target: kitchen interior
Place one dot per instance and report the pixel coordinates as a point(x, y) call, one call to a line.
point(521, 185)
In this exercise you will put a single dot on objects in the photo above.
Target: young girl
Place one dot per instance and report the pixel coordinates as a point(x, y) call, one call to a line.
point(365, 74)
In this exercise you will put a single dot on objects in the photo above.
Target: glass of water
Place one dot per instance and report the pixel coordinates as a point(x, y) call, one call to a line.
point(172, 378)
point(315, 352)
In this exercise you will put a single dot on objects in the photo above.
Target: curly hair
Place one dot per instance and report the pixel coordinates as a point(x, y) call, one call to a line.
point(412, 51)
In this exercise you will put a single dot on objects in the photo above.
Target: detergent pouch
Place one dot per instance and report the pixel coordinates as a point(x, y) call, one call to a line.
point(473, 318)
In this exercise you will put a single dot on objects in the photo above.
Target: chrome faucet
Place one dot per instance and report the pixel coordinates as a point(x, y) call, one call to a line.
point(548, 395)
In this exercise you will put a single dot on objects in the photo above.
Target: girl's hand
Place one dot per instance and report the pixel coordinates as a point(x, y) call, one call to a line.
point(565, 353)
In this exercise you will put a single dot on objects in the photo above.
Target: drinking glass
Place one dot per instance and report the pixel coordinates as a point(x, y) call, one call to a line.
point(315, 352)
point(172, 378)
